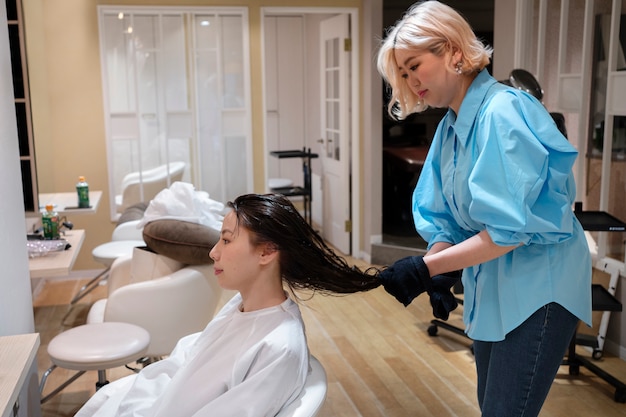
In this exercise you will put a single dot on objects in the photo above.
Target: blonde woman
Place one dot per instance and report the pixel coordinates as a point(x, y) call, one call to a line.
point(494, 199)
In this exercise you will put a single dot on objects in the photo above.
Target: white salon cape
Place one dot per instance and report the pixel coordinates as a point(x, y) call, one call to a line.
point(242, 364)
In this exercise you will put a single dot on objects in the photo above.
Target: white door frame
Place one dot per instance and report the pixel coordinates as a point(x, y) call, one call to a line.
point(355, 143)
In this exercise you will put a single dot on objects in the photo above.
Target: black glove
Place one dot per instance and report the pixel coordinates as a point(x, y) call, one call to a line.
point(406, 279)
point(441, 298)
point(409, 277)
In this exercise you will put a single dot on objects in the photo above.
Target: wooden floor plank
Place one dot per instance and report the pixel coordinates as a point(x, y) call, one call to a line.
point(379, 359)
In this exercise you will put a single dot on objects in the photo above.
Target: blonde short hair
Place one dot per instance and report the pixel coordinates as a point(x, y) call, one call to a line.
point(428, 26)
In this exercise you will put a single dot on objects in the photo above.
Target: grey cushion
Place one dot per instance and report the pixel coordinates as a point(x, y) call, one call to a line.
point(186, 242)
point(134, 212)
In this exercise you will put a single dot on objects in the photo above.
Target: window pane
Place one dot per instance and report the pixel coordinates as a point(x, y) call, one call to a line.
point(117, 44)
point(206, 31)
point(232, 40)
point(176, 92)
point(175, 66)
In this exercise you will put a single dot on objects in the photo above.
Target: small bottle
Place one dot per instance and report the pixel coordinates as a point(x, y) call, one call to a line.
point(50, 220)
point(82, 188)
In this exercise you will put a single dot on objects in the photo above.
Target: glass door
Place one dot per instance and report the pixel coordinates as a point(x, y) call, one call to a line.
point(176, 89)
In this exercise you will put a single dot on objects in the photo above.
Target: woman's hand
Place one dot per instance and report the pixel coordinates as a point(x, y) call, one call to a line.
point(409, 277)
point(406, 279)
point(441, 298)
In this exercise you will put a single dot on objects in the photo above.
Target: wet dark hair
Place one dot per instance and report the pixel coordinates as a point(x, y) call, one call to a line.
point(306, 261)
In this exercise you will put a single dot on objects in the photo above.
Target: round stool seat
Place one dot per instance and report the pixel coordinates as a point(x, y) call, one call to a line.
point(279, 183)
point(98, 346)
point(110, 251)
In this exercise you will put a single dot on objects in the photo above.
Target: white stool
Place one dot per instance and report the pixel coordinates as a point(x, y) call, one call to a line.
point(95, 347)
point(106, 254)
point(110, 251)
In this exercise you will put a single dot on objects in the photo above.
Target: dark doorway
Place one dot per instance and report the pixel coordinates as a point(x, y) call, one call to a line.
point(404, 142)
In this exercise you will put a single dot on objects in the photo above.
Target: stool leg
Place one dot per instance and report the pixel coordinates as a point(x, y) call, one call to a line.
point(102, 379)
point(91, 285)
point(60, 387)
point(44, 378)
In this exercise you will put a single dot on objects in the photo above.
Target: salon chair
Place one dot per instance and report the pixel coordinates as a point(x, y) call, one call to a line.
point(151, 181)
point(166, 297)
point(158, 294)
point(311, 399)
point(153, 302)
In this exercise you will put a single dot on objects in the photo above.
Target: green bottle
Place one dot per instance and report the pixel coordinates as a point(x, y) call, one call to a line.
point(50, 220)
point(82, 188)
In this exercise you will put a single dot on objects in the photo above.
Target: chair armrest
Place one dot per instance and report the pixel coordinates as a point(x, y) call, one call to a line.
point(119, 275)
point(128, 231)
point(311, 398)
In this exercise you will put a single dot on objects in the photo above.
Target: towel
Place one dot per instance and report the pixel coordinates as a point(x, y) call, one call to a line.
point(182, 202)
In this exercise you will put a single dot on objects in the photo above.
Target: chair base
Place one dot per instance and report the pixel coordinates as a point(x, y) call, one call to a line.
point(91, 285)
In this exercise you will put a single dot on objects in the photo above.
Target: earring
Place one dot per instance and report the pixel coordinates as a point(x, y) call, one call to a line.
point(459, 68)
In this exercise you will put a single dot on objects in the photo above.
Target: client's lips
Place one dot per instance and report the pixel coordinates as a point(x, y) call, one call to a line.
point(422, 93)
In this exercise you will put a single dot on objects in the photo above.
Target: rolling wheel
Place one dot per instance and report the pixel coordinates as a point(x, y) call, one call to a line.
point(620, 395)
point(432, 330)
point(597, 354)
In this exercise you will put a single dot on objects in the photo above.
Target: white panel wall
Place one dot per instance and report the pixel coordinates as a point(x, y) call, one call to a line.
point(284, 85)
point(16, 307)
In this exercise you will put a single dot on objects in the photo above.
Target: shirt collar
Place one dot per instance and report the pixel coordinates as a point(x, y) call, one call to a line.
point(470, 105)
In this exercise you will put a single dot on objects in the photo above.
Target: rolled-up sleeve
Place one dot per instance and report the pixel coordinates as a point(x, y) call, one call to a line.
point(521, 184)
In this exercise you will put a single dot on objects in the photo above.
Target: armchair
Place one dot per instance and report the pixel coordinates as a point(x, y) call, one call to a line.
point(313, 395)
point(167, 298)
point(152, 180)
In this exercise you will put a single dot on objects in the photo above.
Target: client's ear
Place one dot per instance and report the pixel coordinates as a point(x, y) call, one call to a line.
point(269, 252)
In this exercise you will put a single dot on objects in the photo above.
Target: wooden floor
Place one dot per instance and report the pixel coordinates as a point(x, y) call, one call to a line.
point(379, 359)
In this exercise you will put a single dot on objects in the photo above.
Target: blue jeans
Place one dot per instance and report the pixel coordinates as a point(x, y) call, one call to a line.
point(515, 375)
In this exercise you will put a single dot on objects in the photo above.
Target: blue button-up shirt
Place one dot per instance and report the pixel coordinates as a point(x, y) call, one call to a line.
point(503, 166)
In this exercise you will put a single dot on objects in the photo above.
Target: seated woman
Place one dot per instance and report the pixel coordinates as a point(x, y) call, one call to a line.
point(252, 359)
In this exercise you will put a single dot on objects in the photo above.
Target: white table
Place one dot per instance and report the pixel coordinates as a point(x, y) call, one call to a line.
point(17, 355)
point(58, 263)
point(66, 204)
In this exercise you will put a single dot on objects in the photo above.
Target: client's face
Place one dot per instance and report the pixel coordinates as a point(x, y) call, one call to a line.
point(236, 260)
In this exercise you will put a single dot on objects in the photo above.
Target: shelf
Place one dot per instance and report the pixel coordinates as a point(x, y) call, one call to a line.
point(600, 221)
point(293, 154)
point(602, 300)
point(298, 191)
point(66, 203)
point(291, 191)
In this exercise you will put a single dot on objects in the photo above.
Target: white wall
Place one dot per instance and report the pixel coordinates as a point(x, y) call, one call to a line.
point(16, 306)
point(503, 38)
point(372, 128)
